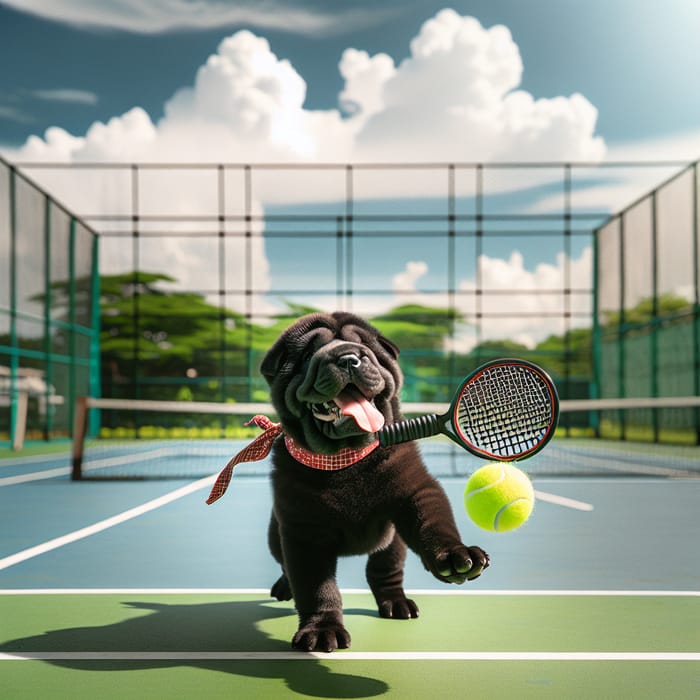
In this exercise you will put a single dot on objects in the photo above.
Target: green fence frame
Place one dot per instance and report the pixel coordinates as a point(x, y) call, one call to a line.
point(660, 333)
point(76, 366)
point(132, 223)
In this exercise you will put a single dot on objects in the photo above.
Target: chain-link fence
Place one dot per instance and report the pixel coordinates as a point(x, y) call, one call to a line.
point(202, 265)
point(647, 326)
point(49, 316)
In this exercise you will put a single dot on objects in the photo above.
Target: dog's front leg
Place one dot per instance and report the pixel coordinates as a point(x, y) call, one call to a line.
point(427, 525)
point(311, 572)
point(385, 578)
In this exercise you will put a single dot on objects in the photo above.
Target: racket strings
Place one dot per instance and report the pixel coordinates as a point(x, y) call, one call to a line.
point(506, 410)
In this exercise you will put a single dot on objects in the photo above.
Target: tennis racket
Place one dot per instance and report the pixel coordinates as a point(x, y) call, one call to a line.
point(504, 410)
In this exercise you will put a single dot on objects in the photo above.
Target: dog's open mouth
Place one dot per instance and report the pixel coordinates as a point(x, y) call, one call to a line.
point(350, 403)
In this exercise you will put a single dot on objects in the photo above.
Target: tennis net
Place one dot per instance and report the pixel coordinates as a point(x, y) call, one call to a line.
point(132, 439)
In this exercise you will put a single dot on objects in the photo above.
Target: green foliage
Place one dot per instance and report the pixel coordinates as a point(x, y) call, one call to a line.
point(189, 349)
point(418, 327)
point(179, 335)
point(569, 354)
point(648, 309)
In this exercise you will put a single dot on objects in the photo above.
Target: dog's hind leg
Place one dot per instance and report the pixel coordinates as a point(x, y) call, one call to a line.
point(385, 578)
point(281, 588)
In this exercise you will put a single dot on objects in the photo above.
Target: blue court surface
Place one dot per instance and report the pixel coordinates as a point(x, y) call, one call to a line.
point(139, 589)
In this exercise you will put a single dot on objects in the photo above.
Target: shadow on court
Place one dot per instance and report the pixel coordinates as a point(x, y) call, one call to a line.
point(216, 627)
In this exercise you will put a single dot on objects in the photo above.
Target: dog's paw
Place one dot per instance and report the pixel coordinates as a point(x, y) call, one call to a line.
point(459, 564)
point(323, 632)
point(281, 589)
point(398, 608)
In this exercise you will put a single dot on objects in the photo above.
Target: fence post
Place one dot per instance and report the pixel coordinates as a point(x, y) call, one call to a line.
point(79, 429)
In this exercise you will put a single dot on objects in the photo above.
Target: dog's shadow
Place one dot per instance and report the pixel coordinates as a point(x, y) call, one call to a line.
point(220, 626)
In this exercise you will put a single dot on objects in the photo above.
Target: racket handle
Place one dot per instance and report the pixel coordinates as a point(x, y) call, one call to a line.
point(409, 429)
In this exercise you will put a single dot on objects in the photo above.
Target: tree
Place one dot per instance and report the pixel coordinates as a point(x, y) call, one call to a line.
point(149, 332)
point(649, 308)
point(413, 326)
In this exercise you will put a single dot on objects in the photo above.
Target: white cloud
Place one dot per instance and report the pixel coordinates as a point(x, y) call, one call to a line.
point(194, 262)
point(683, 146)
point(157, 16)
point(529, 295)
point(13, 114)
point(630, 169)
point(248, 92)
point(364, 77)
point(516, 301)
point(455, 98)
point(406, 281)
point(66, 95)
point(245, 105)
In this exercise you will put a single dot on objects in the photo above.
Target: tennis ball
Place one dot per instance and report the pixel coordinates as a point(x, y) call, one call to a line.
point(499, 497)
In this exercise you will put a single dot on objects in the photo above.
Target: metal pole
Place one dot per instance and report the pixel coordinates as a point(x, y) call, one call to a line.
point(478, 246)
point(621, 328)
point(14, 359)
point(654, 325)
point(567, 280)
point(221, 204)
point(349, 210)
point(72, 345)
point(95, 358)
point(451, 269)
point(248, 204)
point(696, 310)
point(48, 418)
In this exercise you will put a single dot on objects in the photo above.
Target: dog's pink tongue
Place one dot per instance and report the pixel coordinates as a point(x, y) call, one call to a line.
point(353, 404)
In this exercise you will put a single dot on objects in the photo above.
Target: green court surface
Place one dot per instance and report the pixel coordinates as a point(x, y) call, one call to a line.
point(137, 589)
point(548, 644)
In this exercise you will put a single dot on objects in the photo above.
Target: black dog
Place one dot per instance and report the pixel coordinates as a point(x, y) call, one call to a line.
point(334, 382)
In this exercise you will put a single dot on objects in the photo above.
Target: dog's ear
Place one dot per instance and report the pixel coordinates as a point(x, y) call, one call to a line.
point(390, 347)
point(273, 360)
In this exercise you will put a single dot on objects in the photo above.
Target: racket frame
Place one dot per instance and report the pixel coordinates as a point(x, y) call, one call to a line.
point(453, 430)
point(448, 424)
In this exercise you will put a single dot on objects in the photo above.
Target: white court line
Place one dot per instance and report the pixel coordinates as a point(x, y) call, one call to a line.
point(90, 466)
point(34, 476)
point(64, 471)
point(196, 656)
point(265, 592)
point(105, 524)
point(23, 461)
point(562, 501)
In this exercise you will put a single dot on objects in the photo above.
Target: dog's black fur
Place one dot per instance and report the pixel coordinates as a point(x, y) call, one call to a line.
point(377, 506)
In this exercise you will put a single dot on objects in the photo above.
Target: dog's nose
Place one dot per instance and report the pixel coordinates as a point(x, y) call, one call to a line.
point(349, 361)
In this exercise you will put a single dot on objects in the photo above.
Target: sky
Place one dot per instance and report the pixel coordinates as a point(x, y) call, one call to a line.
point(380, 81)
point(624, 71)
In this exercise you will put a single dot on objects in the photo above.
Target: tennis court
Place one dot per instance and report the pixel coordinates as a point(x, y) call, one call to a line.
point(138, 589)
point(124, 583)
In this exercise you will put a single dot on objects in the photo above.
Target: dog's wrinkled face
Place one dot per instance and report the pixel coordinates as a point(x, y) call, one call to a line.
point(334, 381)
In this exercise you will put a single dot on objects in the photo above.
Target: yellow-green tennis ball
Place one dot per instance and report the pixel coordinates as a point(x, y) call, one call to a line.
point(499, 497)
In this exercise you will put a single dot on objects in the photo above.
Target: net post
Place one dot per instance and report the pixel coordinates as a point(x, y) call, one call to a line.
point(19, 430)
point(79, 432)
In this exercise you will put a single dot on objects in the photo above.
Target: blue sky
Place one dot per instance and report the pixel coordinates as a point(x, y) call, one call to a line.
point(76, 62)
point(353, 82)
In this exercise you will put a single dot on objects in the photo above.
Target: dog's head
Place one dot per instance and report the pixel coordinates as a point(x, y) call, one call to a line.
point(334, 381)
